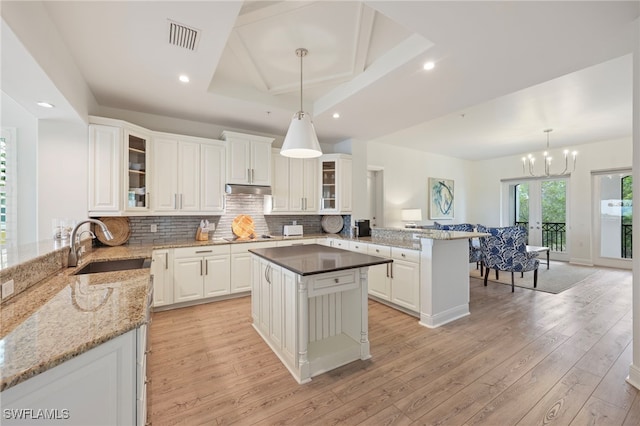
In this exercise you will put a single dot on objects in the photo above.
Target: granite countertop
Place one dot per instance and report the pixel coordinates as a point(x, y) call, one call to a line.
point(66, 315)
point(315, 259)
point(435, 234)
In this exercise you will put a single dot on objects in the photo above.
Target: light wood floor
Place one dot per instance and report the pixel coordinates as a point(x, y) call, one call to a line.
point(523, 358)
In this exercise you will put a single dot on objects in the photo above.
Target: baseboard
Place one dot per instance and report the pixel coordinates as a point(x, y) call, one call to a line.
point(579, 261)
point(442, 318)
point(634, 376)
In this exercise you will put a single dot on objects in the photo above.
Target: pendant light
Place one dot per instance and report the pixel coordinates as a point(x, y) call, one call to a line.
point(301, 140)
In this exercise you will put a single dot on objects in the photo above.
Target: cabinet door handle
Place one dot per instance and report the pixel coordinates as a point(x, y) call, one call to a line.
point(206, 267)
point(180, 201)
point(204, 251)
point(391, 265)
point(200, 267)
point(166, 260)
point(249, 175)
point(175, 201)
point(388, 270)
point(252, 175)
point(403, 255)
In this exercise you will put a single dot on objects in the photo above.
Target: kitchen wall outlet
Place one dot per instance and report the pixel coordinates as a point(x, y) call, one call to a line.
point(154, 227)
point(7, 288)
point(415, 236)
point(295, 222)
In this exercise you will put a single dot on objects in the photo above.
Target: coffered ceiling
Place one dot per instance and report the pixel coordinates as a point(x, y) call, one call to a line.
point(503, 72)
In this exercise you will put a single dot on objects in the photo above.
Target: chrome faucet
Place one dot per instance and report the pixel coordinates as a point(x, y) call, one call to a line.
point(74, 252)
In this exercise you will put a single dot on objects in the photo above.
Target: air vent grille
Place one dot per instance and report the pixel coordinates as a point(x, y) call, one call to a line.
point(183, 36)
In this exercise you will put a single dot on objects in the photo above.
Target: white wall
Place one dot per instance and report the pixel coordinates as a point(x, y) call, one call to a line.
point(62, 173)
point(485, 189)
point(26, 125)
point(406, 177)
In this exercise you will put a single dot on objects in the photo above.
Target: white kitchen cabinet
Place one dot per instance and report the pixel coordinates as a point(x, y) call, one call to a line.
point(241, 264)
point(338, 243)
point(248, 158)
point(102, 386)
point(279, 183)
point(137, 151)
point(336, 183)
point(380, 275)
point(201, 272)
point(189, 174)
point(162, 272)
point(294, 185)
point(405, 278)
point(105, 156)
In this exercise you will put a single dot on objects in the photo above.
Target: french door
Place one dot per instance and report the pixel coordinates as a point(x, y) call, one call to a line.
point(540, 205)
point(612, 213)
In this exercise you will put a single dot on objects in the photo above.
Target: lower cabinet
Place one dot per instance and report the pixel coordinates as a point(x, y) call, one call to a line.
point(201, 272)
point(162, 272)
point(241, 264)
point(380, 275)
point(104, 386)
point(405, 278)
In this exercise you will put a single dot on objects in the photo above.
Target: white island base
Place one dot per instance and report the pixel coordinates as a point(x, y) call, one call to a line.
point(313, 323)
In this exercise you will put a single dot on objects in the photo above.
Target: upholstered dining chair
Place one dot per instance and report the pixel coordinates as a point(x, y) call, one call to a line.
point(505, 249)
point(475, 254)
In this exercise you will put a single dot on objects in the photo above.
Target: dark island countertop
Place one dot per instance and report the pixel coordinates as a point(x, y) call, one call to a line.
point(317, 259)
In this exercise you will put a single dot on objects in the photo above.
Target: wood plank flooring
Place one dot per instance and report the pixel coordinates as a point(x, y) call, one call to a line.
point(523, 358)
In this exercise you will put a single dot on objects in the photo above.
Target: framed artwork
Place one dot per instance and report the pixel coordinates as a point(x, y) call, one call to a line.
point(441, 197)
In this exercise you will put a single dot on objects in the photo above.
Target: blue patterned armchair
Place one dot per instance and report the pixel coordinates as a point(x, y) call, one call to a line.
point(475, 254)
point(506, 250)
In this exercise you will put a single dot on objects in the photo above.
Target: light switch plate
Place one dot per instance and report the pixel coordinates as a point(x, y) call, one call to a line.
point(154, 227)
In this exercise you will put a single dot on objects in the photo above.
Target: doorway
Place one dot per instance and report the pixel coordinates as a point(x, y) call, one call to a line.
point(612, 218)
point(541, 206)
point(375, 193)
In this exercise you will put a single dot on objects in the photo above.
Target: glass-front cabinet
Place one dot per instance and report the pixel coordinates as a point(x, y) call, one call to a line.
point(335, 187)
point(328, 185)
point(136, 163)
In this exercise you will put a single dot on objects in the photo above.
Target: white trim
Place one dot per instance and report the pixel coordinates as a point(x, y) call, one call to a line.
point(634, 376)
point(444, 317)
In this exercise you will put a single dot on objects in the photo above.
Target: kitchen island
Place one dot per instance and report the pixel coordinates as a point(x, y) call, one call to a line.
point(309, 304)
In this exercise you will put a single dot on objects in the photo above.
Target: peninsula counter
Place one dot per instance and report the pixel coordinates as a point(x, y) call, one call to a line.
point(309, 304)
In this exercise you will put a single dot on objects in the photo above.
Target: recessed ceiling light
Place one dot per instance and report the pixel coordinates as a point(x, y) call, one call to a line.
point(184, 78)
point(336, 115)
point(45, 104)
point(429, 65)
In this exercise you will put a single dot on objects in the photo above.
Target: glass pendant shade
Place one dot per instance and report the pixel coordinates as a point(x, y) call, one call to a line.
point(301, 140)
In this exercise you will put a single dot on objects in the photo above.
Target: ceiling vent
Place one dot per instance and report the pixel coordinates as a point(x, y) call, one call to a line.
point(183, 36)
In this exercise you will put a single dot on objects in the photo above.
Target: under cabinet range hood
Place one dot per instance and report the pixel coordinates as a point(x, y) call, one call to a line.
point(247, 189)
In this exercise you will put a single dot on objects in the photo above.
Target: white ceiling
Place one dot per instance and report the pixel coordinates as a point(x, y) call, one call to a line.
point(504, 70)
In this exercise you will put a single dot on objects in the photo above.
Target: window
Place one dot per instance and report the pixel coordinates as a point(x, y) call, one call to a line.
point(7, 187)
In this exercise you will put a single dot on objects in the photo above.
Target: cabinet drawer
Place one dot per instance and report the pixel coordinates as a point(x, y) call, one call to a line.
point(378, 250)
point(181, 253)
point(358, 246)
point(342, 244)
point(334, 282)
point(245, 247)
point(405, 254)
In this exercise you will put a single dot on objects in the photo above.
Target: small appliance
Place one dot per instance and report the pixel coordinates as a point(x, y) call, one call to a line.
point(364, 229)
point(291, 230)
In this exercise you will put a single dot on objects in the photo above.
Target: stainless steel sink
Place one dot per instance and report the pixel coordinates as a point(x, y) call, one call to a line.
point(113, 265)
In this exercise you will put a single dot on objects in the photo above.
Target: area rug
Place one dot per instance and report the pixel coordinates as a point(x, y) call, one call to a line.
point(558, 278)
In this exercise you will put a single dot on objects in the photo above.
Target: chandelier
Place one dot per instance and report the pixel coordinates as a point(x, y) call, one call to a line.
point(528, 162)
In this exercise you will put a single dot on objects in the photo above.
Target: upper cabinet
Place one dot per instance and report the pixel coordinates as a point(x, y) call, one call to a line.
point(136, 152)
point(248, 158)
point(294, 185)
point(335, 183)
point(119, 155)
point(134, 171)
point(189, 174)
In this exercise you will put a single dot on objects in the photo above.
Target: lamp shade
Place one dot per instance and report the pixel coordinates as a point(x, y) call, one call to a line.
point(411, 215)
point(301, 140)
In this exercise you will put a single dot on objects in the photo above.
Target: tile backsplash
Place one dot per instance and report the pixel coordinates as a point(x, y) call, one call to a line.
point(171, 227)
